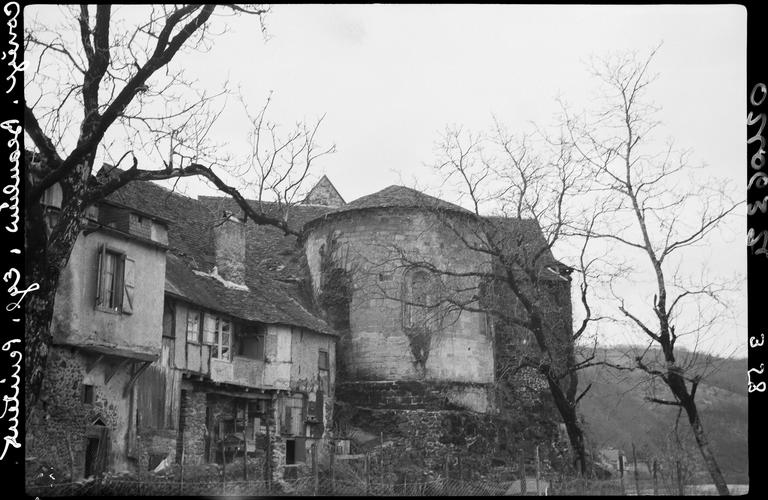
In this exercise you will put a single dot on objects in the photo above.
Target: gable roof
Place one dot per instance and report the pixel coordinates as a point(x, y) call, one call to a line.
point(324, 193)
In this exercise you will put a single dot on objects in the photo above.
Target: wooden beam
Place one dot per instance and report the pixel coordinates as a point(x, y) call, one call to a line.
point(90, 366)
point(135, 376)
point(111, 373)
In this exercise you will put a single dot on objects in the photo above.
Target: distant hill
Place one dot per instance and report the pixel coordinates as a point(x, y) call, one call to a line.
point(617, 414)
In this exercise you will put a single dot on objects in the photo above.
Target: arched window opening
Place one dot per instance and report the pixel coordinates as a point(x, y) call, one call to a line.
point(421, 301)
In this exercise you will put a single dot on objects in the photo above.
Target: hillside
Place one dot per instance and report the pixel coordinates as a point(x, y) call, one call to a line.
point(617, 414)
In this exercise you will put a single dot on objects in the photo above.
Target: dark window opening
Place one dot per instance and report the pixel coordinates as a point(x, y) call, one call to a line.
point(251, 346)
point(91, 452)
point(169, 323)
point(322, 360)
point(295, 451)
point(154, 460)
point(88, 394)
point(290, 452)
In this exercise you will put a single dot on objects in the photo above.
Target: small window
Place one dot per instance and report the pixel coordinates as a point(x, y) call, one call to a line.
point(110, 286)
point(155, 459)
point(251, 345)
point(169, 323)
point(193, 326)
point(87, 394)
point(115, 281)
point(322, 360)
point(218, 333)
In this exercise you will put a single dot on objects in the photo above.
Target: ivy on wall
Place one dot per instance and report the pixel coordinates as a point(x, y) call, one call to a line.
point(335, 283)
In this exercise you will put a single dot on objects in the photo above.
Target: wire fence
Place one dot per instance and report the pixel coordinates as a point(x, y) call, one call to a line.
point(325, 486)
point(299, 487)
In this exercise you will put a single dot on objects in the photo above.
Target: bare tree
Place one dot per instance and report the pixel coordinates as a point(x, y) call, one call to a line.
point(660, 214)
point(522, 206)
point(105, 80)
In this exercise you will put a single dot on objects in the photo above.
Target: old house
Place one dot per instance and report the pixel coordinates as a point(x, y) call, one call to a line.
point(184, 334)
point(171, 344)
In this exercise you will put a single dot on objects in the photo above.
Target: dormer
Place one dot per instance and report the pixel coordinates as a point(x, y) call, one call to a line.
point(133, 222)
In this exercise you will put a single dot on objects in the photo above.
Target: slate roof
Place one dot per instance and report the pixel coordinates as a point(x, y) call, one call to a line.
point(190, 238)
point(520, 235)
point(401, 197)
point(274, 262)
point(269, 251)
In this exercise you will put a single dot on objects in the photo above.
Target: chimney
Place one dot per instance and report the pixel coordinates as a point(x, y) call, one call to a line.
point(229, 243)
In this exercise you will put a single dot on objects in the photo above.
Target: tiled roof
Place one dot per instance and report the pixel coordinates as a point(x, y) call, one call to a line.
point(266, 301)
point(270, 255)
point(274, 262)
point(268, 250)
point(398, 196)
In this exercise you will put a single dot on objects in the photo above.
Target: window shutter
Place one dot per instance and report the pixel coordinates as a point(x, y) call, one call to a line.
point(129, 266)
point(287, 419)
point(319, 406)
point(100, 263)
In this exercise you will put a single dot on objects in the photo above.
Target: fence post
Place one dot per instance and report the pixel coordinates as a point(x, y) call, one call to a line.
point(181, 469)
point(367, 475)
point(634, 461)
point(538, 472)
point(655, 479)
point(223, 466)
point(245, 440)
point(521, 467)
point(315, 477)
point(621, 471)
point(332, 464)
point(268, 450)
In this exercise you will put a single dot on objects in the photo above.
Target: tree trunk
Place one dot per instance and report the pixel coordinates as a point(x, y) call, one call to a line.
point(46, 257)
point(706, 452)
point(570, 419)
point(676, 383)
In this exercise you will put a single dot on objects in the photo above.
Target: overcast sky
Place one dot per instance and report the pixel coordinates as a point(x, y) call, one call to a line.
point(390, 78)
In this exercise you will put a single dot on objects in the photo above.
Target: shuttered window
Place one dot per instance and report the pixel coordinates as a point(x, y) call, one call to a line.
point(293, 422)
point(115, 281)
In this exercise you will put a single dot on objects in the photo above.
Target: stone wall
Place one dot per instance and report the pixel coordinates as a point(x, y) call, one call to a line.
point(56, 433)
point(377, 346)
point(192, 427)
point(413, 394)
point(427, 443)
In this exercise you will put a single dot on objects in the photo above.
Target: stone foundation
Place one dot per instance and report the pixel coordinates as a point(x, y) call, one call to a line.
point(57, 431)
point(414, 394)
